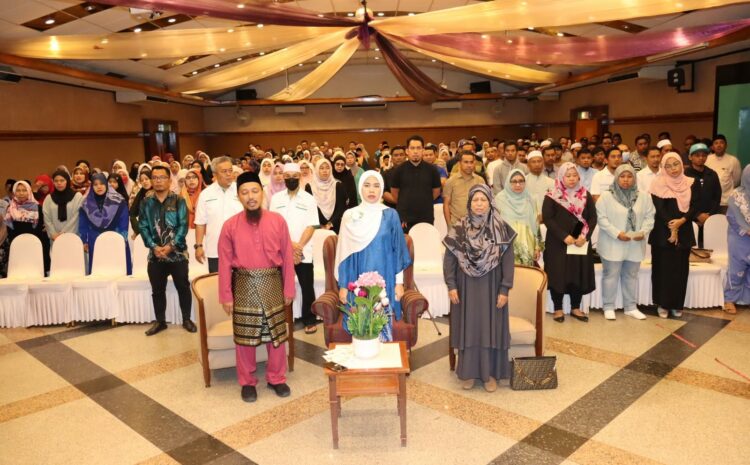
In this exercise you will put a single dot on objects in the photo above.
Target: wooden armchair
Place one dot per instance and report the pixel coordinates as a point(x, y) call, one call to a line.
point(526, 302)
point(216, 331)
point(413, 304)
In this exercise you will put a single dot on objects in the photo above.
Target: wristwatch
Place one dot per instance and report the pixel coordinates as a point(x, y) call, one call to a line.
point(197, 246)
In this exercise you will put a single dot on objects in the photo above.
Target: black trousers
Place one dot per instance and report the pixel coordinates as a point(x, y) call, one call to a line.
point(306, 280)
point(158, 272)
point(557, 300)
point(213, 265)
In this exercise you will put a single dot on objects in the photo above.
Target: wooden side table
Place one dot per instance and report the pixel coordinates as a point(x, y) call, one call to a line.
point(368, 382)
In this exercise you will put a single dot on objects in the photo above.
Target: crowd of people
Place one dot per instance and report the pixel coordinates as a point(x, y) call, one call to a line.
point(253, 219)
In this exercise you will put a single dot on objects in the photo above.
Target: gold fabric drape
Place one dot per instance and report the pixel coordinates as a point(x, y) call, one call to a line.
point(318, 77)
point(163, 43)
point(515, 14)
point(262, 67)
point(488, 68)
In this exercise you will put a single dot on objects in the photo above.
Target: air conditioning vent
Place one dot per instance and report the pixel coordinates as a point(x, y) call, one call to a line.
point(290, 110)
point(363, 106)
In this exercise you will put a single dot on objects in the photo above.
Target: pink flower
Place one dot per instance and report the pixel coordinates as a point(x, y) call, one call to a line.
point(371, 278)
point(362, 293)
point(352, 286)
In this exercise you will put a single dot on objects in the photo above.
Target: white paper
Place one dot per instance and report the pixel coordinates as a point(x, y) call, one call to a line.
point(343, 354)
point(575, 250)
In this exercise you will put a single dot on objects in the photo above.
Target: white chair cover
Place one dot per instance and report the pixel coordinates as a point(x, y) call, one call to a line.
point(50, 300)
point(196, 269)
point(134, 291)
point(95, 296)
point(440, 224)
point(715, 236)
point(428, 267)
point(25, 264)
point(319, 274)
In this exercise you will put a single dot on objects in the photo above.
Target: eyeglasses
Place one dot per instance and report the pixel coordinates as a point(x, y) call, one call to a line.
point(159, 178)
point(518, 181)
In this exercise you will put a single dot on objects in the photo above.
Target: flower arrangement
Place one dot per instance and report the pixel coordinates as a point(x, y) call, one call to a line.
point(367, 306)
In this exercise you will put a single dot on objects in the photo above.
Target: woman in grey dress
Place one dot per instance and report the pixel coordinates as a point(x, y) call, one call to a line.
point(478, 270)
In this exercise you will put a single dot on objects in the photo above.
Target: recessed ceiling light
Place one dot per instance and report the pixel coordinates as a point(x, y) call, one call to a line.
point(172, 20)
point(260, 24)
point(489, 70)
point(377, 58)
point(626, 26)
point(137, 30)
point(320, 61)
point(320, 15)
point(299, 64)
point(49, 21)
point(538, 62)
point(530, 28)
point(411, 14)
point(240, 5)
point(350, 14)
point(262, 53)
point(222, 49)
point(377, 49)
point(144, 55)
point(194, 73)
point(105, 41)
point(380, 13)
point(230, 30)
point(434, 60)
point(485, 36)
point(560, 34)
point(217, 65)
point(510, 41)
point(90, 7)
point(239, 59)
point(507, 76)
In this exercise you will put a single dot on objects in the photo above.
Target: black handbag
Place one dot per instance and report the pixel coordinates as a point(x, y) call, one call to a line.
point(533, 373)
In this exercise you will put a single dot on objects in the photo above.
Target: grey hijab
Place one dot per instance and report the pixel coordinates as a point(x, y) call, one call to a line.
point(626, 197)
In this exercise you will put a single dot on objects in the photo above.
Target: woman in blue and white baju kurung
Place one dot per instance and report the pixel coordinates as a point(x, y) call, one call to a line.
point(737, 286)
point(371, 239)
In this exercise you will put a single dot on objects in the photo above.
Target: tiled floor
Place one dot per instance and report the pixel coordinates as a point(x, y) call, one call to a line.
point(631, 392)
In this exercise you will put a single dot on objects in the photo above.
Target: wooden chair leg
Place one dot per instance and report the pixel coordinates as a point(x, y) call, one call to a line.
point(206, 373)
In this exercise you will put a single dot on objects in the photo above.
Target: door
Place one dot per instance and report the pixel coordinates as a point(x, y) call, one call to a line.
point(160, 137)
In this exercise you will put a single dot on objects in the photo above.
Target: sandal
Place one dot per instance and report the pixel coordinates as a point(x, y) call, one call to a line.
point(311, 329)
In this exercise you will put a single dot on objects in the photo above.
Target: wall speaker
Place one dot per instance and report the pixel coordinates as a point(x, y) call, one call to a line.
point(246, 94)
point(481, 87)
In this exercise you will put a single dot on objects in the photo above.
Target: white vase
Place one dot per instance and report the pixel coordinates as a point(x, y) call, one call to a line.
point(366, 348)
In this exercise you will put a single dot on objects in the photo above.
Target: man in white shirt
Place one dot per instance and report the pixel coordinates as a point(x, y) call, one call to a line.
point(603, 179)
point(537, 183)
point(726, 166)
point(493, 162)
point(301, 214)
point(647, 174)
point(216, 203)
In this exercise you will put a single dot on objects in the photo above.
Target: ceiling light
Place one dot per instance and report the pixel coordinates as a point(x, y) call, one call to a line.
point(144, 55)
point(377, 58)
point(194, 73)
point(434, 60)
point(105, 41)
point(510, 41)
point(49, 21)
point(507, 76)
point(380, 13)
point(626, 26)
point(172, 20)
point(239, 59)
point(222, 49)
point(350, 14)
point(230, 30)
point(260, 25)
point(137, 30)
point(240, 5)
point(485, 36)
point(262, 53)
point(217, 65)
point(678, 5)
point(530, 28)
point(560, 34)
point(411, 14)
point(538, 62)
point(320, 15)
point(90, 7)
point(320, 61)
point(299, 64)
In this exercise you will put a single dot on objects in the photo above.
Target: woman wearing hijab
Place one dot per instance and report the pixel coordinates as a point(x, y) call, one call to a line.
point(329, 195)
point(43, 186)
point(134, 173)
point(61, 207)
point(371, 239)
point(205, 160)
point(80, 180)
point(570, 216)
point(519, 210)
point(675, 196)
point(478, 270)
point(143, 167)
point(25, 216)
point(346, 178)
point(144, 181)
point(102, 210)
point(190, 192)
point(276, 184)
point(306, 174)
point(187, 161)
point(625, 217)
point(737, 285)
point(115, 181)
point(266, 169)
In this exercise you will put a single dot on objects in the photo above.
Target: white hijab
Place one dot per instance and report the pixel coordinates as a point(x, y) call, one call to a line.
point(324, 192)
point(265, 179)
point(360, 224)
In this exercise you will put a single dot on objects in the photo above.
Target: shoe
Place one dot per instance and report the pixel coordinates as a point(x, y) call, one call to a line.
point(636, 314)
point(467, 383)
point(730, 308)
point(610, 314)
point(189, 326)
point(560, 318)
point(157, 327)
point(312, 329)
point(584, 317)
point(249, 394)
point(490, 385)
point(281, 389)
point(677, 313)
point(663, 312)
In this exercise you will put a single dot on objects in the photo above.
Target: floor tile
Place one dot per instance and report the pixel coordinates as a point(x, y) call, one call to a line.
point(23, 376)
point(730, 347)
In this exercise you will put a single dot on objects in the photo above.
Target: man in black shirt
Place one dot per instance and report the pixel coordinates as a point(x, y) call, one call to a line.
point(415, 186)
point(398, 156)
point(709, 200)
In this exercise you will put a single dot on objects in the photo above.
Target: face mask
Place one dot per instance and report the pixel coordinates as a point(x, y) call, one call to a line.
point(625, 156)
point(292, 183)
